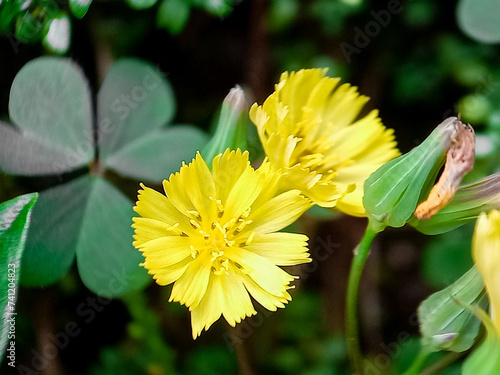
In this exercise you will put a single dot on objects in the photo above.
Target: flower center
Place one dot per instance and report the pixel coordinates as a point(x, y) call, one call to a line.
point(218, 237)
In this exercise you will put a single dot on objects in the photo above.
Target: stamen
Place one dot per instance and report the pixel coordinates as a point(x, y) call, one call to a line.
point(205, 235)
point(229, 224)
point(194, 224)
point(194, 252)
point(250, 238)
point(246, 213)
point(194, 213)
point(175, 229)
point(217, 225)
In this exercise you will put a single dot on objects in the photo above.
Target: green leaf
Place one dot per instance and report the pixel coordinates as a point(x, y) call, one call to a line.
point(56, 222)
point(173, 15)
point(140, 4)
point(14, 223)
point(23, 153)
point(79, 7)
point(158, 153)
point(50, 106)
point(134, 99)
point(479, 19)
point(107, 261)
point(446, 321)
point(57, 33)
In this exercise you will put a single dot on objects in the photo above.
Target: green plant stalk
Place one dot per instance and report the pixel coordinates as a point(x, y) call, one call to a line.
point(352, 333)
point(442, 363)
point(418, 363)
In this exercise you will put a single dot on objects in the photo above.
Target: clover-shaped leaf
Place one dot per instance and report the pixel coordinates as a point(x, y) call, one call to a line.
point(134, 99)
point(57, 218)
point(50, 108)
point(53, 132)
point(107, 261)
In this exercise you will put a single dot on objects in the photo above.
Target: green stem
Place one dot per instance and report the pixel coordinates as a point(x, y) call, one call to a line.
point(442, 363)
point(418, 363)
point(352, 334)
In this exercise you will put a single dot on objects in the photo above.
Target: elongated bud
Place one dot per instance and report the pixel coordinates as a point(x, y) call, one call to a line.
point(230, 131)
point(393, 192)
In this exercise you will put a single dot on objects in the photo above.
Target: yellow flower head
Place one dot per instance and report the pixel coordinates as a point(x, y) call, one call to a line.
point(486, 253)
point(309, 129)
point(484, 359)
point(213, 236)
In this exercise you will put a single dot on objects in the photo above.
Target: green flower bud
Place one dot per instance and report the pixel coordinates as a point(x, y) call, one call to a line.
point(446, 319)
point(230, 131)
point(393, 192)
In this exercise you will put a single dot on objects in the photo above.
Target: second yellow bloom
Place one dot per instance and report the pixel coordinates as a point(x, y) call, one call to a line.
point(310, 130)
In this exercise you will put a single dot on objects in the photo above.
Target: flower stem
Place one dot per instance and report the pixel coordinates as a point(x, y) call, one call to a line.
point(352, 334)
point(418, 363)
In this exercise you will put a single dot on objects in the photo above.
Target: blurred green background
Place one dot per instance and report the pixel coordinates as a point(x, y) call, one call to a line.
point(420, 61)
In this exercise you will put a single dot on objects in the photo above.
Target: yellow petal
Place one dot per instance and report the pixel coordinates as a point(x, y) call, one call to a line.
point(154, 205)
point(190, 288)
point(282, 249)
point(262, 296)
point(227, 169)
point(209, 309)
point(164, 274)
point(147, 229)
point(279, 212)
point(164, 251)
point(235, 303)
point(244, 192)
point(265, 274)
point(199, 187)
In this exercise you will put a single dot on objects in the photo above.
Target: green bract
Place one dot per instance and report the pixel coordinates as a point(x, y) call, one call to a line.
point(446, 323)
point(14, 223)
point(393, 191)
point(54, 132)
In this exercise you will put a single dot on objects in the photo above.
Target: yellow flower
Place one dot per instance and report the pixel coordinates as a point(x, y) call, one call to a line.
point(484, 359)
point(310, 131)
point(213, 236)
point(486, 253)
